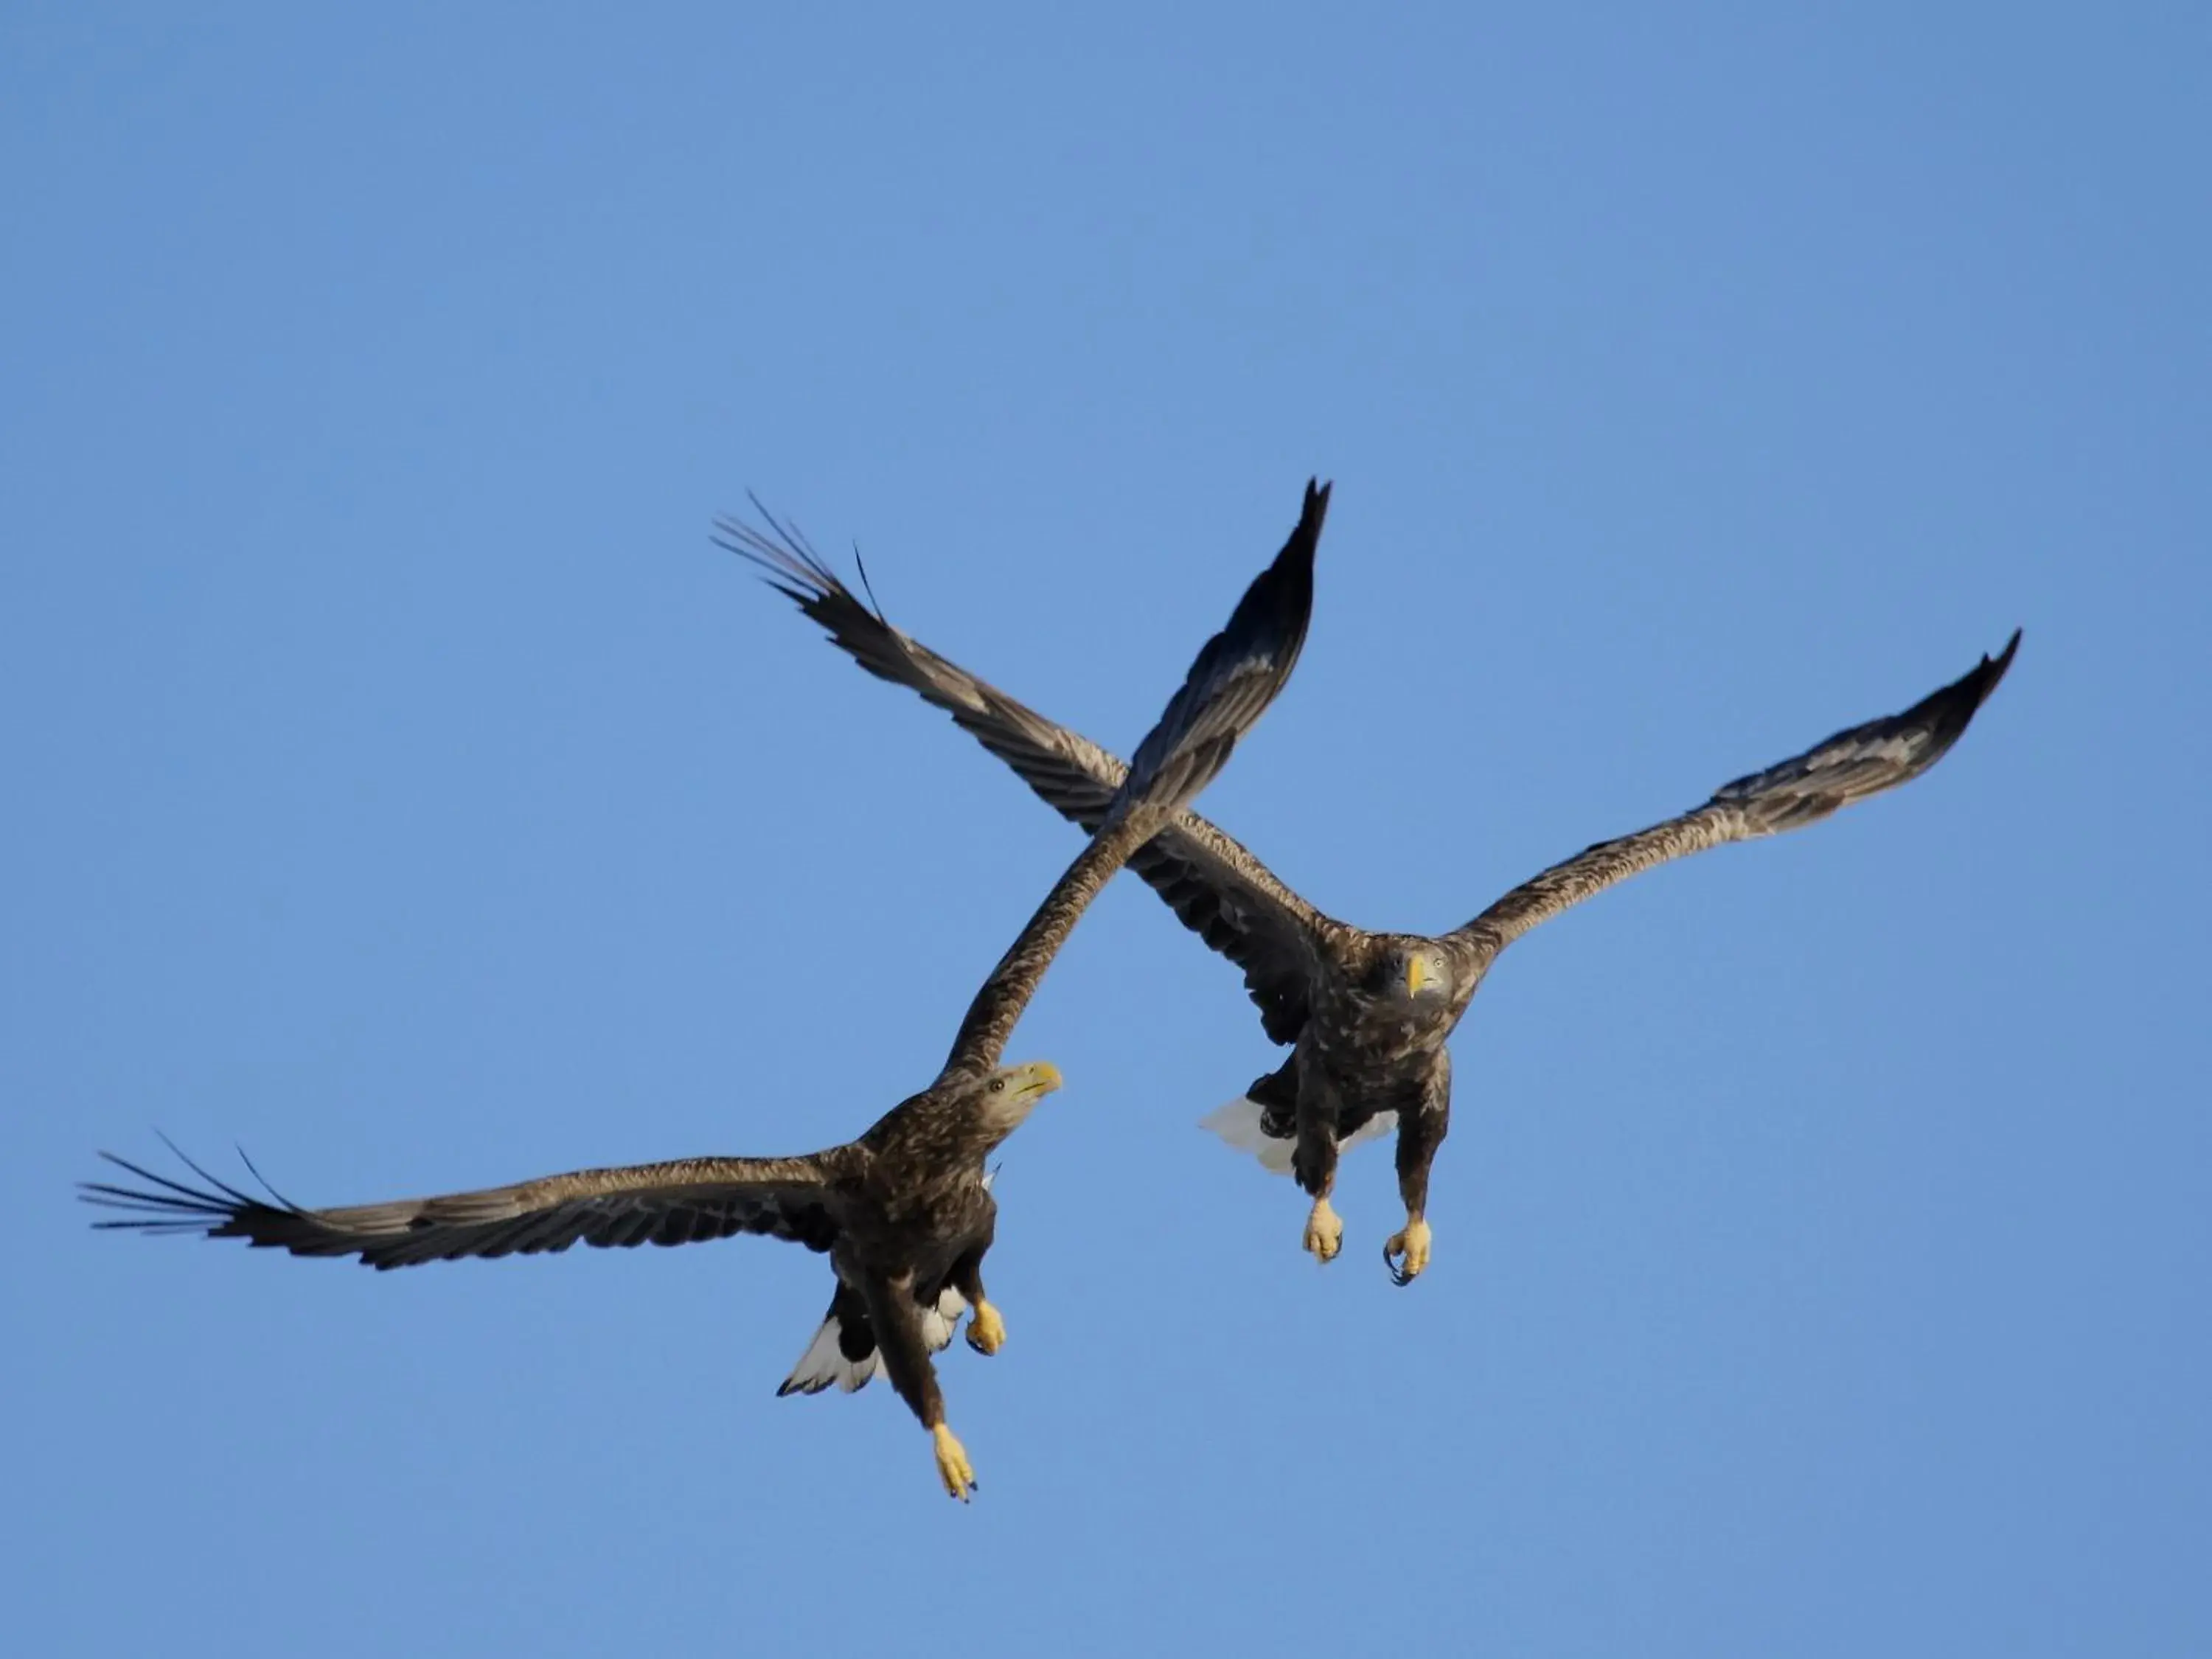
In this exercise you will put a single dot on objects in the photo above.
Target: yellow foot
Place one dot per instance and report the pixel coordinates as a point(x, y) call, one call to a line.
point(952, 1466)
point(987, 1332)
point(1412, 1244)
point(1324, 1233)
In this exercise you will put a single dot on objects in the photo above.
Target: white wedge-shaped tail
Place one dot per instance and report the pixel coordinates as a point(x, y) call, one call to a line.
point(824, 1363)
point(1238, 1124)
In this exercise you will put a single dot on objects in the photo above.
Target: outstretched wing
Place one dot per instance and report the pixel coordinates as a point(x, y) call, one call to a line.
point(1236, 675)
point(1219, 890)
point(677, 1203)
point(1849, 765)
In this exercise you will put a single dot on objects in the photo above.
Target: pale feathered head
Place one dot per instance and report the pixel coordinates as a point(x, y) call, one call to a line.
point(1010, 1094)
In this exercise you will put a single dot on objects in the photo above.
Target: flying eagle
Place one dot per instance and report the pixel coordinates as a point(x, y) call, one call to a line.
point(1366, 1014)
point(904, 1212)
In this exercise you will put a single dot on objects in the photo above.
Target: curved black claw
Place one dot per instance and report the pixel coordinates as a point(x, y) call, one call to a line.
point(1398, 1276)
point(1407, 1253)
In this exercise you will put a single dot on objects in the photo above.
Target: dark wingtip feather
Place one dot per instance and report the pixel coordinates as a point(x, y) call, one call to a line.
point(1252, 656)
point(1294, 564)
point(787, 559)
point(282, 1202)
point(166, 1205)
point(1992, 669)
point(789, 563)
point(867, 587)
point(1951, 709)
point(175, 1208)
point(1863, 760)
point(239, 1199)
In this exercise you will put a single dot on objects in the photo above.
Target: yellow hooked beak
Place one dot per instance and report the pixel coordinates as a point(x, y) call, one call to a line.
point(1417, 974)
point(1043, 1078)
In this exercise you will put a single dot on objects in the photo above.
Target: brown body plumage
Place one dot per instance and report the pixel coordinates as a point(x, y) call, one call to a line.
point(905, 1211)
point(1367, 1014)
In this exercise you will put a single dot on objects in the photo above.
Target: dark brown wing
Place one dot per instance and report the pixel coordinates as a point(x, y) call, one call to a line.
point(1238, 673)
point(1220, 891)
point(1851, 766)
point(676, 1203)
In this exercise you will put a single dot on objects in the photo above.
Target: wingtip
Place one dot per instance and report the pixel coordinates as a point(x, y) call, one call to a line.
point(780, 553)
point(1315, 507)
point(1303, 541)
point(1246, 663)
point(1991, 670)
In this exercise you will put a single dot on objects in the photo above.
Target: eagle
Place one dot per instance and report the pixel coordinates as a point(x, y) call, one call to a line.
point(904, 1213)
point(1366, 1015)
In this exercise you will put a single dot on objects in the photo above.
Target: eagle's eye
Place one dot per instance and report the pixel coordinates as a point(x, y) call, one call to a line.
point(998, 1085)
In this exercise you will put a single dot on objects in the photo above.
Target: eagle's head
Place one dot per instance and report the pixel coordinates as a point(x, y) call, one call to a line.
point(1412, 974)
point(1010, 1094)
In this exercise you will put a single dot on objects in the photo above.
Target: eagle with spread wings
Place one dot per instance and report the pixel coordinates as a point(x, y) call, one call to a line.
point(1366, 1015)
point(905, 1211)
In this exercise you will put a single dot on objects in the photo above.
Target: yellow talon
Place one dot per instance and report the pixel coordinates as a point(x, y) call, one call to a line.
point(987, 1332)
point(1412, 1245)
point(1324, 1233)
point(952, 1464)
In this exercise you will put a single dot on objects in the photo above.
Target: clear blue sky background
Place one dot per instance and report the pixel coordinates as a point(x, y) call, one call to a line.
point(400, 785)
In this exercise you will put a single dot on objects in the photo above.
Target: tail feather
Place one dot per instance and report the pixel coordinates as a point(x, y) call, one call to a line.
point(825, 1361)
point(938, 1324)
point(1241, 1124)
point(1238, 1123)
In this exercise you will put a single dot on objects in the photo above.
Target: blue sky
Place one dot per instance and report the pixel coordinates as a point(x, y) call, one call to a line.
point(404, 789)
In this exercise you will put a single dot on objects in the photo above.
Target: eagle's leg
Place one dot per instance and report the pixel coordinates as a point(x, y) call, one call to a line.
point(953, 1467)
point(1406, 1254)
point(906, 1358)
point(1421, 1129)
point(1314, 1164)
point(1324, 1234)
point(986, 1331)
